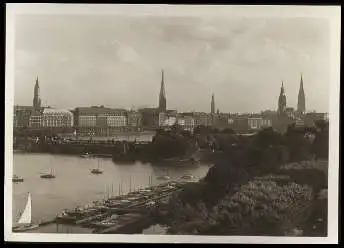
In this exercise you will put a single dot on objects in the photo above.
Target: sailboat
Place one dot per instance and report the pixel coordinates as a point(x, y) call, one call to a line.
point(48, 175)
point(165, 177)
point(25, 222)
point(97, 170)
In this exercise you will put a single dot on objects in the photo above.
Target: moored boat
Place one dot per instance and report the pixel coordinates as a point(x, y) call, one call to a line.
point(187, 177)
point(97, 170)
point(17, 179)
point(163, 177)
point(48, 175)
point(85, 155)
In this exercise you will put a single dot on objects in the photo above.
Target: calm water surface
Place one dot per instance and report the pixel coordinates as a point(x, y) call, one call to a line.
point(74, 185)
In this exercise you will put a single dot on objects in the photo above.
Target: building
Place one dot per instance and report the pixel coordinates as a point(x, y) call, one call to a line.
point(290, 113)
point(249, 122)
point(100, 121)
point(188, 122)
point(167, 119)
point(282, 102)
point(221, 120)
point(57, 118)
point(258, 123)
point(202, 119)
point(299, 122)
point(36, 121)
point(114, 121)
point(311, 118)
point(162, 95)
point(134, 120)
point(21, 116)
point(150, 118)
point(301, 103)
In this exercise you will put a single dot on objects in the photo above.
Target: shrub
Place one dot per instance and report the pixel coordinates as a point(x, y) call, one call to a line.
point(261, 204)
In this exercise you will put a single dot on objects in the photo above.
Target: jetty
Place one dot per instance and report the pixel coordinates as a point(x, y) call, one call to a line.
point(128, 213)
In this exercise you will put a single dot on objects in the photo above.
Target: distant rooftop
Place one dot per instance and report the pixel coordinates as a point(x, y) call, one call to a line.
point(18, 107)
point(52, 110)
point(98, 110)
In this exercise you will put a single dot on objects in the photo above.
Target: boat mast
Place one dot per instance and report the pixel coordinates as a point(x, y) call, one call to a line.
point(130, 184)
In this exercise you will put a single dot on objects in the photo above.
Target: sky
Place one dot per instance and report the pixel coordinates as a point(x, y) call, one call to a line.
point(116, 61)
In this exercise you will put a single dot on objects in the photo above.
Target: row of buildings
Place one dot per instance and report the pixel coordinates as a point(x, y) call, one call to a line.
point(103, 121)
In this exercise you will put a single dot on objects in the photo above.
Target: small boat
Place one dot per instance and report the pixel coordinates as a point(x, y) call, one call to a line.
point(188, 177)
point(17, 179)
point(97, 170)
point(48, 175)
point(163, 177)
point(85, 155)
point(25, 223)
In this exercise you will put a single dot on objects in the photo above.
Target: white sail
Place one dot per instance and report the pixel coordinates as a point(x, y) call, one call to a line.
point(26, 216)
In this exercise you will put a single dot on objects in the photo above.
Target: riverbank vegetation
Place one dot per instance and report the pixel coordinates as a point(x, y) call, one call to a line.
point(266, 184)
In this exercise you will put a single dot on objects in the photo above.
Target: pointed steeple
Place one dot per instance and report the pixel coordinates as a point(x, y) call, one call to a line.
point(162, 96)
point(301, 101)
point(301, 83)
point(282, 88)
point(36, 97)
point(162, 87)
point(212, 104)
point(282, 101)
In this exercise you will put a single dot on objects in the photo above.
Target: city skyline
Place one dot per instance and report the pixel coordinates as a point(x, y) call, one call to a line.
point(110, 63)
point(161, 106)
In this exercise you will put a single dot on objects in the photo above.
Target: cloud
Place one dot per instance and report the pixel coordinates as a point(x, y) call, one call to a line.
point(108, 58)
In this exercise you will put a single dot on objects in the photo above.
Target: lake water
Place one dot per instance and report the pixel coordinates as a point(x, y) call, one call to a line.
point(74, 185)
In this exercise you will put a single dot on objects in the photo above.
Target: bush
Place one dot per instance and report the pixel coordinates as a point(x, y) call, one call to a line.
point(261, 204)
point(171, 144)
point(313, 173)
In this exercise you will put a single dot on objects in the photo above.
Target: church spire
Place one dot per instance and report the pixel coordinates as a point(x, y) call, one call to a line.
point(162, 87)
point(301, 101)
point(213, 104)
point(282, 88)
point(36, 96)
point(162, 96)
point(282, 101)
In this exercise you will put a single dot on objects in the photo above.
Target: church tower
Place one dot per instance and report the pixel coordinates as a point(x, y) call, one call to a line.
point(36, 97)
point(282, 102)
point(301, 103)
point(162, 96)
point(212, 111)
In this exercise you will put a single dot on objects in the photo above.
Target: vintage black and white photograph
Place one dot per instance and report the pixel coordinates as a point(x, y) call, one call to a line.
point(177, 121)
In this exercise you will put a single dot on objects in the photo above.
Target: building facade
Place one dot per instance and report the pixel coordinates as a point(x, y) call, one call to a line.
point(36, 121)
point(134, 120)
point(167, 119)
point(150, 118)
point(57, 118)
point(258, 123)
point(21, 116)
point(100, 121)
point(202, 119)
